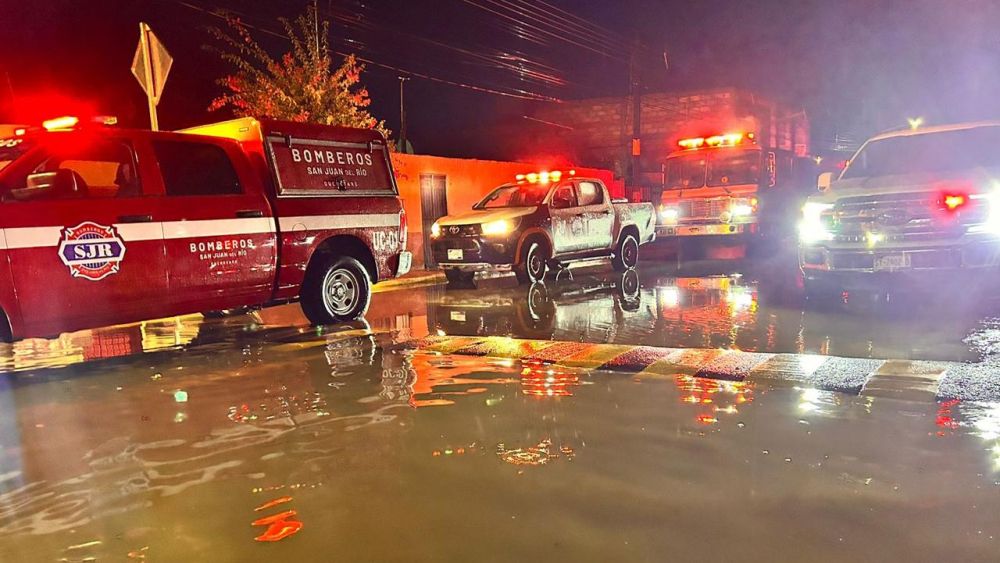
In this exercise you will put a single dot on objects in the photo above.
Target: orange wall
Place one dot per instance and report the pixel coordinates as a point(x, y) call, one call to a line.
point(468, 180)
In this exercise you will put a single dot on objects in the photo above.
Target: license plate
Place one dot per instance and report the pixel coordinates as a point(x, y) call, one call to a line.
point(405, 263)
point(892, 262)
point(458, 316)
point(455, 254)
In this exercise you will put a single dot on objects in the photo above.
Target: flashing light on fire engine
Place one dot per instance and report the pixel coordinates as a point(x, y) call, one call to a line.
point(721, 140)
point(669, 214)
point(543, 177)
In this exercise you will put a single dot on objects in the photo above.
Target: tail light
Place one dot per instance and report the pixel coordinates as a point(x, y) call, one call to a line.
point(403, 228)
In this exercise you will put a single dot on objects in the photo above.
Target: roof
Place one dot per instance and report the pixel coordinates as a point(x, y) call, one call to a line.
point(935, 129)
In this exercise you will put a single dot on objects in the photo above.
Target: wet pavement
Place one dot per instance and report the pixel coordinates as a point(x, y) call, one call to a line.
point(257, 437)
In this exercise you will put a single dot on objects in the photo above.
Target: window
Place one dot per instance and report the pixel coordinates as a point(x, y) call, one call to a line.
point(195, 169)
point(590, 193)
point(686, 171)
point(102, 169)
point(564, 197)
point(734, 167)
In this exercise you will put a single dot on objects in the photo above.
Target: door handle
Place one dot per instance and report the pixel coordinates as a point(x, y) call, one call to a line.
point(135, 218)
point(249, 213)
point(581, 215)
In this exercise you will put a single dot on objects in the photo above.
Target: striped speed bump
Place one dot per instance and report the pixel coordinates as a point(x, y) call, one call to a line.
point(914, 380)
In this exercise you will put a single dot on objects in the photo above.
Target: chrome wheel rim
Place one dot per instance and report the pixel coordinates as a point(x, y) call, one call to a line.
point(535, 263)
point(630, 252)
point(341, 291)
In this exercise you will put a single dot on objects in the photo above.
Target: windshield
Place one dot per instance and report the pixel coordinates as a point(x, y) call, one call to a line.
point(731, 168)
point(525, 195)
point(686, 171)
point(947, 151)
point(10, 150)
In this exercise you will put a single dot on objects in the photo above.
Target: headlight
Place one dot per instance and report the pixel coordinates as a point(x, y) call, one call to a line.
point(435, 230)
point(811, 228)
point(500, 227)
point(669, 214)
point(992, 219)
point(741, 210)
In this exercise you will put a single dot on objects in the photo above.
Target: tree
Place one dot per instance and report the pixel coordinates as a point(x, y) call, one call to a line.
point(300, 86)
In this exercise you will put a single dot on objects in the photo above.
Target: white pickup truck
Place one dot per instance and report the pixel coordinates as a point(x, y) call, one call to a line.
point(911, 205)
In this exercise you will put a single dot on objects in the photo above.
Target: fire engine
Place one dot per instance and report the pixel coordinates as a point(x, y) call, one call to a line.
point(102, 225)
point(730, 184)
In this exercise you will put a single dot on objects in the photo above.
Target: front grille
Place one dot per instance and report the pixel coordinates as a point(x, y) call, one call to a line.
point(703, 208)
point(460, 230)
point(908, 217)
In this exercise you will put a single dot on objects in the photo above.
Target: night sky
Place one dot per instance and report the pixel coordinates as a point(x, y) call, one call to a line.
point(856, 66)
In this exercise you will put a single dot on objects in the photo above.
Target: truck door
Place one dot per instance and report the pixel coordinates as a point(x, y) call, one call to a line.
point(598, 215)
point(218, 230)
point(86, 250)
point(567, 220)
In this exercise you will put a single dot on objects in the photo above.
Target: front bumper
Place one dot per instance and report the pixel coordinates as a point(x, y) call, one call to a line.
point(474, 253)
point(702, 229)
point(982, 254)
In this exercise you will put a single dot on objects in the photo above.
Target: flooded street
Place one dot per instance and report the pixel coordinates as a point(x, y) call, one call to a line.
point(342, 446)
point(257, 437)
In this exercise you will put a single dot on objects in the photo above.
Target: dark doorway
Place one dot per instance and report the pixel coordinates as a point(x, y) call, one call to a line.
point(433, 205)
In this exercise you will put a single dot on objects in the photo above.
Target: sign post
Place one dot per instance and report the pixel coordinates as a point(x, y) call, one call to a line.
point(150, 66)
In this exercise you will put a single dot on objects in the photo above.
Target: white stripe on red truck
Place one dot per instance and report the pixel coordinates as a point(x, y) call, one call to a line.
point(41, 237)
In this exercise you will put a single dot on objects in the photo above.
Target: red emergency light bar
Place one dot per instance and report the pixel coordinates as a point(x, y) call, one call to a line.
point(70, 121)
point(722, 140)
point(543, 177)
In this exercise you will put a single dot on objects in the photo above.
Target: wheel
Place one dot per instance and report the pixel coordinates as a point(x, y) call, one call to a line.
point(629, 291)
point(534, 261)
point(626, 254)
point(337, 289)
point(458, 278)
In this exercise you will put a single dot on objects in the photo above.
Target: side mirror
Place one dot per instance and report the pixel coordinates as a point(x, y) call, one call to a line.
point(59, 183)
point(824, 181)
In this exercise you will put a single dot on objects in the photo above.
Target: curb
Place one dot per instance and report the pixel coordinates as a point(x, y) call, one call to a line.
point(430, 278)
point(900, 379)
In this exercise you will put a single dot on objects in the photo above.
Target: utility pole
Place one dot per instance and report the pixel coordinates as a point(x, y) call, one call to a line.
point(635, 86)
point(316, 25)
point(403, 142)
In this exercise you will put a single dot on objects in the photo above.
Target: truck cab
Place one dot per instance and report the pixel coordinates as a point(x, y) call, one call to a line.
point(539, 222)
point(920, 205)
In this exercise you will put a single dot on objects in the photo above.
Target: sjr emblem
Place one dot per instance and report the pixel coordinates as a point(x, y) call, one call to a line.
point(91, 251)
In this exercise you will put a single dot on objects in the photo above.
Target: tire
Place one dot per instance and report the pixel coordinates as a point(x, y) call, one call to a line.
point(336, 289)
point(533, 263)
point(626, 253)
point(458, 278)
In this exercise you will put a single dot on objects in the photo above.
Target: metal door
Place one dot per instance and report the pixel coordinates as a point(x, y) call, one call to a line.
point(433, 206)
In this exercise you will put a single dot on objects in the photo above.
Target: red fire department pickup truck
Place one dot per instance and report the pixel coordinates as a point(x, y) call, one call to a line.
point(100, 225)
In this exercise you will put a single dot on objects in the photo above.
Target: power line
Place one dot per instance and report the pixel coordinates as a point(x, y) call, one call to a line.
point(543, 31)
point(515, 93)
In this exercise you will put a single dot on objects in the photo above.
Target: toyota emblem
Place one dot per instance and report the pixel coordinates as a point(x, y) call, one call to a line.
point(455, 230)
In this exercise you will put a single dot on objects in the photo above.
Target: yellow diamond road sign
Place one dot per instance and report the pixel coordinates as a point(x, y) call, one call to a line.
point(151, 65)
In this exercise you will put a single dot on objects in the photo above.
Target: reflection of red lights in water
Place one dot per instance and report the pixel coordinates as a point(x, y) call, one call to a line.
point(703, 391)
point(541, 380)
point(279, 526)
point(944, 418)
